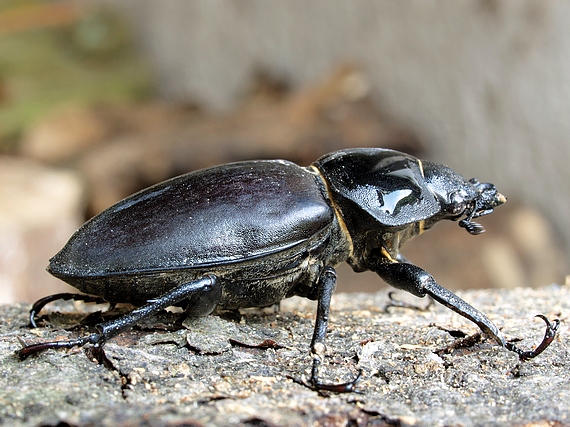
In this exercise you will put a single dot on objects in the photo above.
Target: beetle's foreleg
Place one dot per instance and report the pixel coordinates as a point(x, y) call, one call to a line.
point(549, 334)
point(327, 285)
point(113, 327)
point(419, 282)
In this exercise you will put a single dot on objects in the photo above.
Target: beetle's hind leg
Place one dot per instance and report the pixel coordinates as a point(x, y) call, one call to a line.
point(208, 285)
point(41, 303)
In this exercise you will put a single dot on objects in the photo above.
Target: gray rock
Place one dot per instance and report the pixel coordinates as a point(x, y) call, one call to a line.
point(197, 376)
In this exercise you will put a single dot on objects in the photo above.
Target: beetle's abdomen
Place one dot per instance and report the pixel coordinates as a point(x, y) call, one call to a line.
point(221, 215)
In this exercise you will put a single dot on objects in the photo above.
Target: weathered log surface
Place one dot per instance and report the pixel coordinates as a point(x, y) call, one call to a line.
point(197, 376)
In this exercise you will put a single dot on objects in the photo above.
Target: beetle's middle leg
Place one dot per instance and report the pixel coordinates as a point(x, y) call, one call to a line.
point(326, 286)
point(208, 286)
point(411, 278)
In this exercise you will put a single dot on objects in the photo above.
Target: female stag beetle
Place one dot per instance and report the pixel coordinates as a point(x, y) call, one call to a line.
point(250, 234)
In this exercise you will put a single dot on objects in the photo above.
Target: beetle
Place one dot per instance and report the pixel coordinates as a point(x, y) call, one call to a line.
point(250, 234)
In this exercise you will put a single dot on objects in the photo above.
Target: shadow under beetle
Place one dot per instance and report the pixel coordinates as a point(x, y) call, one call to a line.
point(250, 234)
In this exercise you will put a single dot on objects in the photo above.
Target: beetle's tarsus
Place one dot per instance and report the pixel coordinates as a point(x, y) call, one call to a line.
point(549, 335)
point(396, 303)
point(32, 349)
point(66, 296)
point(315, 385)
point(347, 387)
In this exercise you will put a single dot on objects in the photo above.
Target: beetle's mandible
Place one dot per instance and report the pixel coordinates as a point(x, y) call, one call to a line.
point(250, 234)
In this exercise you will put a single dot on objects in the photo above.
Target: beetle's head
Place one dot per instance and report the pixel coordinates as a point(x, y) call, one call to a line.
point(461, 199)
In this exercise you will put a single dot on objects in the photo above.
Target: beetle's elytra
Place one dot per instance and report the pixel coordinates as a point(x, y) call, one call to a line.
point(250, 234)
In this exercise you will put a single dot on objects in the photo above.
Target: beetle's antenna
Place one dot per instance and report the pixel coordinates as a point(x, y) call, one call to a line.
point(472, 227)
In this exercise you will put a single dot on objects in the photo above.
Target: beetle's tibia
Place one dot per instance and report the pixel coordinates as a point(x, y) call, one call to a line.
point(116, 326)
point(326, 287)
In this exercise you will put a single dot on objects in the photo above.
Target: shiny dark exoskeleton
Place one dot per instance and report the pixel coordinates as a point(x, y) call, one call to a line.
point(250, 234)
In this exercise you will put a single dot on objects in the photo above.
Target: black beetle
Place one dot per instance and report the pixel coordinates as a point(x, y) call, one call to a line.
point(250, 234)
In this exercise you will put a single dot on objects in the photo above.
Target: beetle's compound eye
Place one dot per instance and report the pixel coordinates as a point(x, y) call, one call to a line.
point(456, 203)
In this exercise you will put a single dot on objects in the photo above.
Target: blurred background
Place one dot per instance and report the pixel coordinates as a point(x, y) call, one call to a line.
point(99, 99)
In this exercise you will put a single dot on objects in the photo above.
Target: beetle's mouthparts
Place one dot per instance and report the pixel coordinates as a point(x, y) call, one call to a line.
point(500, 199)
point(487, 196)
point(487, 199)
